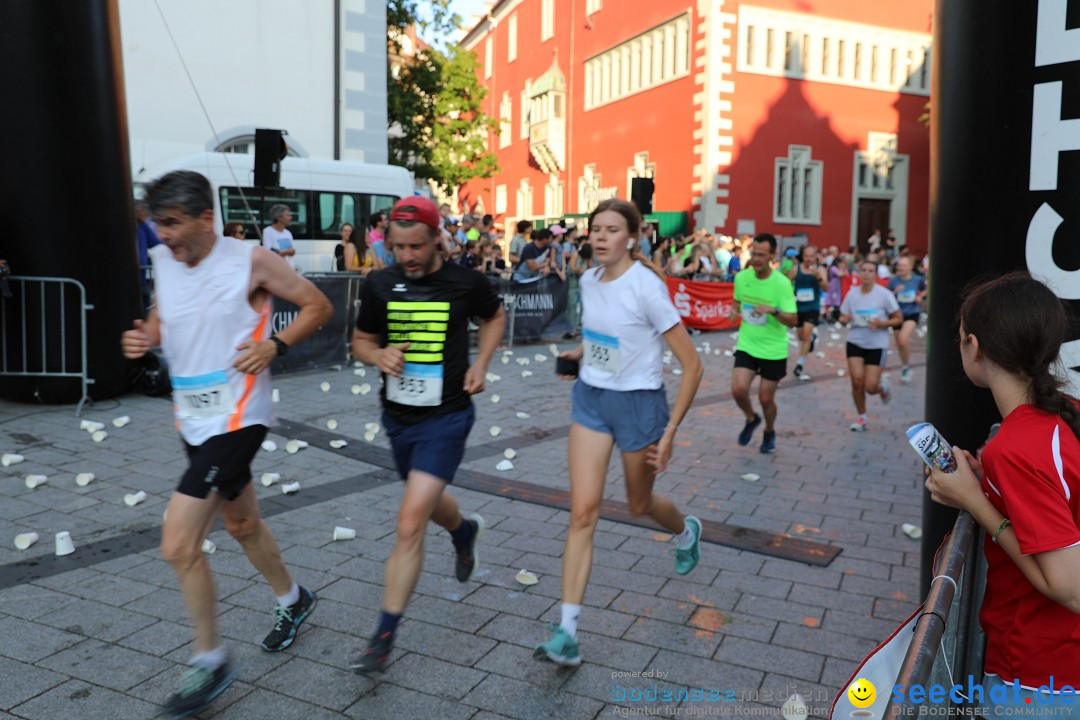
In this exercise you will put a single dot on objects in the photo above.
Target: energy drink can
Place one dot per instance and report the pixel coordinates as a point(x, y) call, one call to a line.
point(935, 452)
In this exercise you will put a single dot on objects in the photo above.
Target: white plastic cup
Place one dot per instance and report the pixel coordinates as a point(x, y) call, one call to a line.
point(11, 459)
point(292, 447)
point(269, 478)
point(269, 445)
point(92, 427)
point(344, 533)
point(84, 479)
point(208, 546)
point(25, 540)
point(290, 488)
point(64, 545)
point(133, 499)
point(121, 421)
point(99, 435)
point(275, 396)
point(32, 481)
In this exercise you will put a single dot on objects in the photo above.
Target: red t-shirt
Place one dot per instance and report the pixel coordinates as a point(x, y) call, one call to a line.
point(1031, 473)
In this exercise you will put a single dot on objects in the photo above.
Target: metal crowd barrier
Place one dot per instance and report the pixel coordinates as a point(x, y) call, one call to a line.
point(39, 345)
point(954, 592)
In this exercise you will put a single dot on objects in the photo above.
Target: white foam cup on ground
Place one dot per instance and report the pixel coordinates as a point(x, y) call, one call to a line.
point(32, 481)
point(290, 488)
point(331, 424)
point(11, 459)
point(208, 546)
point(269, 478)
point(344, 533)
point(64, 544)
point(25, 540)
point(275, 396)
point(338, 444)
point(84, 479)
point(504, 465)
point(133, 499)
point(269, 445)
point(99, 435)
point(121, 421)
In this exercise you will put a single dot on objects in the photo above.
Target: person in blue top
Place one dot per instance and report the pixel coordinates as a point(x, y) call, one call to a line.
point(910, 290)
point(809, 281)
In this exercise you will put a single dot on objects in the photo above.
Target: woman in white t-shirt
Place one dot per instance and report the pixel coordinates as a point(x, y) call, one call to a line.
point(619, 400)
point(872, 310)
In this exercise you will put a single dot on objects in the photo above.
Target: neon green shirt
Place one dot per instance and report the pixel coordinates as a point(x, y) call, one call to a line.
point(763, 336)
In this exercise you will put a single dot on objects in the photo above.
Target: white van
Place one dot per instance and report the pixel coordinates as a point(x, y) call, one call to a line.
point(322, 195)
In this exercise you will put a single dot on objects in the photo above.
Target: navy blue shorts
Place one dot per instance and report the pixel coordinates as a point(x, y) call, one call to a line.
point(434, 446)
point(635, 418)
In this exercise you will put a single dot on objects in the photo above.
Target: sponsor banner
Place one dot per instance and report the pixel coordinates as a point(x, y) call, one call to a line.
point(849, 281)
point(703, 305)
point(535, 309)
point(329, 344)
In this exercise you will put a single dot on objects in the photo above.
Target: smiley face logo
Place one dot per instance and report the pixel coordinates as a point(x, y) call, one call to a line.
point(862, 693)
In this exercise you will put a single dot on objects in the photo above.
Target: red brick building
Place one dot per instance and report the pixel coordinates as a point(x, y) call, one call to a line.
point(772, 115)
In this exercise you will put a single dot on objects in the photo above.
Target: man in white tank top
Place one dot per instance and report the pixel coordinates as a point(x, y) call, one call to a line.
point(211, 318)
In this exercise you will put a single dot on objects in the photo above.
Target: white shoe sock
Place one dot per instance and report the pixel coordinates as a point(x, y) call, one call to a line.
point(290, 599)
point(570, 614)
point(212, 659)
point(802, 360)
point(863, 417)
point(685, 539)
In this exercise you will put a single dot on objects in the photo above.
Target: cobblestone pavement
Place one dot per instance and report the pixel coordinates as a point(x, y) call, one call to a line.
point(102, 633)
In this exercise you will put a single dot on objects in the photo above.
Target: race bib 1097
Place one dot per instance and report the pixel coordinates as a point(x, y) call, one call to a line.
point(203, 396)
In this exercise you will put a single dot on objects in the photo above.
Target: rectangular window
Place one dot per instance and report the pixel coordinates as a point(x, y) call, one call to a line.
point(789, 42)
point(658, 56)
point(233, 207)
point(873, 64)
point(500, 199)
point(797, 187)
point(892, 66)
point(523, 133)
point(592, 6)
point(804, 68)
point(768, 47)
point(511, 39)
point(856, 73)
point(334, 209)
point(547, 19)
point(825, 57)
point(909, 63)
point(489, 49)
point(840, 58)
point(749, 44)
point(781, 190)
point(924, 70)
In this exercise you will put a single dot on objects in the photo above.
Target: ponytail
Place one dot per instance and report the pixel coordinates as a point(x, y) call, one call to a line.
point(1047, 396)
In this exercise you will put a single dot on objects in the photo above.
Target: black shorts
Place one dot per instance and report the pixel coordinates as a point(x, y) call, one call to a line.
point(813, 317)
point(222, 463)
point(914, 317)
point(870, 357)
point(773, 370)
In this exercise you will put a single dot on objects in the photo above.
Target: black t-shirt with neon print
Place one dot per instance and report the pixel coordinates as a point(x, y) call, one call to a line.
point(432, 314)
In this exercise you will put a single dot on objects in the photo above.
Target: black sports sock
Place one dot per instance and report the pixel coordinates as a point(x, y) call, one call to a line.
point(464, 533)
point(388, 623)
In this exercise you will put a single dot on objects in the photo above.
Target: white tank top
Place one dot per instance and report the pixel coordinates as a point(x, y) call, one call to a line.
point(205, 314)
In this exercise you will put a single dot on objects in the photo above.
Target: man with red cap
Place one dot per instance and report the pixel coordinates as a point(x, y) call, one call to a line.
point(413, 326)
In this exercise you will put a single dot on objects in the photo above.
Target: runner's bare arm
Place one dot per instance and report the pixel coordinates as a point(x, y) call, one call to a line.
point(491, 332)
point(683, 347)
point(271, 273)
point(145, 334)
point(789, 319)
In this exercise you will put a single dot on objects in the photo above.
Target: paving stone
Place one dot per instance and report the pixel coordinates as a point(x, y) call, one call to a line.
point(523, 701)
point(654, 607)
point(95, 620)
point(386, 702)
point(434, 677)
point(718, 596)
point(80, 700)
point(30, 601)
point(457, 615)
point(824, 642)
point(160, 638)
point(518, 662)
point(442, 643)
point(326, 686)
point(770, 658)
point(793, 612)
point(32, 681)
point(104, 664)
point(702, 640)
point(256, 704)
point(30, 642)
point(510, 601)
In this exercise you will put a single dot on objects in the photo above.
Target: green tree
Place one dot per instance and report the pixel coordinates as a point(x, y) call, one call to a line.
point(435, 102)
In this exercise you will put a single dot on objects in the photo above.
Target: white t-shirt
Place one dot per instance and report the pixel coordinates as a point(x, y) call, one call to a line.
point(623, 321)
point(878, 304)
point(278, 240)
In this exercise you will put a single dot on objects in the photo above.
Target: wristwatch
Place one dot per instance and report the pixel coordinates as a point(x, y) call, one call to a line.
point(282, 346)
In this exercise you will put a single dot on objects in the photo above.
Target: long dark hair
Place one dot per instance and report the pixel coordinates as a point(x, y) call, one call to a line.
point(633, 224)
point(1021, 326)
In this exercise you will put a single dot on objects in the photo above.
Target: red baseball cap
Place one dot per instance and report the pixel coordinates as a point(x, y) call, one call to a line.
point(421, 209)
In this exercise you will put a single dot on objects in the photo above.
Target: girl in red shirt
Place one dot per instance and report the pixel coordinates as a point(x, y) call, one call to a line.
point(1024, 491)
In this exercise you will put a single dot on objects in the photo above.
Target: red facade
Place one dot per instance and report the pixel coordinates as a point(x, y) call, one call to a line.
point(755, 117)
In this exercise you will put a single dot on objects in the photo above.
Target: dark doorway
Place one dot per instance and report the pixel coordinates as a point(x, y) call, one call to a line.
point(873, 215)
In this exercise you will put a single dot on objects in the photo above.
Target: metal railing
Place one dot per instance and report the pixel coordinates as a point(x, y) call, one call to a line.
point(39, 345)
point(953, 592)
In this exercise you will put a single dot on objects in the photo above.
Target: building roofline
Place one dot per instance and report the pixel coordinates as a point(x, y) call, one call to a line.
point(483, 25)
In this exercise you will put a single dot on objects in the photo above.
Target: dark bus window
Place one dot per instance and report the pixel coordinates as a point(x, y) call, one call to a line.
point(381, 203)
point(334, 209)
point(254, 212)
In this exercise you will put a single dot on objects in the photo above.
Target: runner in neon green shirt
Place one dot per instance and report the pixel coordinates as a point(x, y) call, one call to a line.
point(765, 300)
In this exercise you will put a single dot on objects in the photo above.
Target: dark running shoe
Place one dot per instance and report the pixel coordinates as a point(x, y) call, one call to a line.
point(199, 685)
point(466, 558)
point(374, 657)
point(287, 621)
point(813, 339)
point(768, 442)
point(748, 430)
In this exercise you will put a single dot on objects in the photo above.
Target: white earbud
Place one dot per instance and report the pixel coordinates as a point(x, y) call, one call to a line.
point(630, 244)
